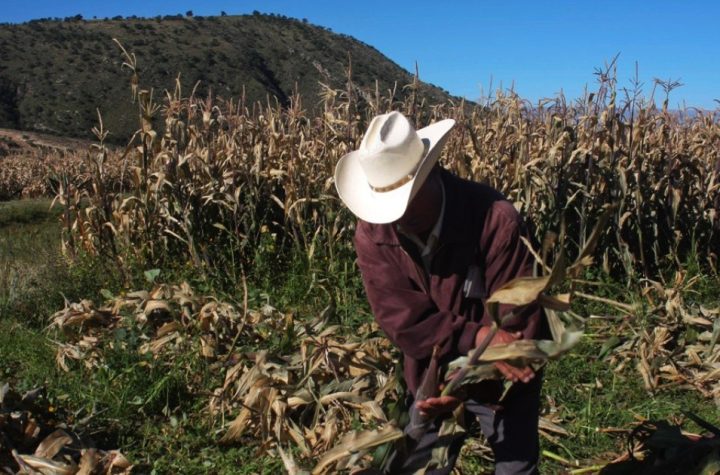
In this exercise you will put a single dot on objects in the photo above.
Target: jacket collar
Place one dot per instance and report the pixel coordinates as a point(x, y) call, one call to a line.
point(455, 221)
point(458, 214)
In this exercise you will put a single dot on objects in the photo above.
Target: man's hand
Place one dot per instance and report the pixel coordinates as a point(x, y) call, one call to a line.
point(435, 406)
point(510, 372)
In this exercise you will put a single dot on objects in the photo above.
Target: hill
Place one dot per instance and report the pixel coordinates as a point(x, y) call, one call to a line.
point(55, 73)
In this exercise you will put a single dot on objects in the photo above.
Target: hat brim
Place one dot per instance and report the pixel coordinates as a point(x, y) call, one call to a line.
point(388, 206)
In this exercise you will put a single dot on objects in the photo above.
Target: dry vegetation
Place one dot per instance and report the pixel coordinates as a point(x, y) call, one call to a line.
point(328, 387)
point(32, 165)
point(41, 443)
point(223, 188)
point(221, 173)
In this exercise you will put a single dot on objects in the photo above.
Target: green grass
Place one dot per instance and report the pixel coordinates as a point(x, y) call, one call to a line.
point(185, 446)
point(155, 410)
point(29, 254)
point(590, 394)
point(131, 402)
point(35, 278)
point(618, 401)
point(13, 213)
point(26, 355)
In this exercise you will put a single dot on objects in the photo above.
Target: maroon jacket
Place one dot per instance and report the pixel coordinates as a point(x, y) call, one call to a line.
point(418, 311)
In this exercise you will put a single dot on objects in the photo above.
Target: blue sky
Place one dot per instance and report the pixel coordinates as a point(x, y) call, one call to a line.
point(540, 47)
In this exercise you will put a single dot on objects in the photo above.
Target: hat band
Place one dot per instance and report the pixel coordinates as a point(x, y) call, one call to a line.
point(393, 186)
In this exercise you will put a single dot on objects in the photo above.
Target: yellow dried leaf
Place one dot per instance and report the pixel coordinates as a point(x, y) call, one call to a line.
point(353, 443)
point(342, 396)
point(114, 461)
point(560, 302)
point(88, 462)
point(167, 328)
point(47, 466)
point(520, 291)
point(52, 444)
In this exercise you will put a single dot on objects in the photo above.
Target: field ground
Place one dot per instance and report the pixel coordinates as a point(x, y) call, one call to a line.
point(22, 138)
point(593, 401)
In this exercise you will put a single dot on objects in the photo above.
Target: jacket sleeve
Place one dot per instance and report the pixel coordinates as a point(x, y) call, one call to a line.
point(407, 314)
point(506, 258)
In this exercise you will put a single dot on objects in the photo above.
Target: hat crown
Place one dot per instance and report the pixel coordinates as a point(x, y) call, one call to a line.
point(390, 151)
point(377, 181)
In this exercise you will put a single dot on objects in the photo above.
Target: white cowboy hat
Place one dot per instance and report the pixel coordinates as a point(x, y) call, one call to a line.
point(377, 181)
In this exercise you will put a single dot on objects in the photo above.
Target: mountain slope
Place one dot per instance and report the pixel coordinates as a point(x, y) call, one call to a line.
point(53, 74)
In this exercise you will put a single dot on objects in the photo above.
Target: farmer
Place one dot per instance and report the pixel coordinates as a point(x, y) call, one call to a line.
point(431, 247)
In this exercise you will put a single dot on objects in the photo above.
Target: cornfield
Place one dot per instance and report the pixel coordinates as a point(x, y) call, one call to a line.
point(33, 166)
point(223, 180)
point(224, 187)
